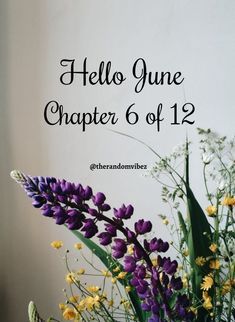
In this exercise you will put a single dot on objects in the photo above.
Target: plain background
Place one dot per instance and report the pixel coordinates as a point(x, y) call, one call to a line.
point(194, 37)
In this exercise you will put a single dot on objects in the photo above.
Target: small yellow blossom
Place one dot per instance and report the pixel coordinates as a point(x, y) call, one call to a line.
point(193, 309)
point(78, 246)
point(228, 201)
point(121, 275)
point(69, 314)
point(74, 299)
point(106, 273)
point(128, 289)
point(70, 278)
point(227, 286)
point(165, 221)
point(110, 303)
point(213, 247)
point(211, 211)
point(207, 301)
point(62, 306)
point(125, 303)
point(114, 280)
point(185, 281)
point(93, 289)
point(81, 271)
point(200, 261)
point(116, 269)
point(214, 264)
point(57, 244)
point(130, 249)
point(207, 283)
point(185, 252)
point(154, 262)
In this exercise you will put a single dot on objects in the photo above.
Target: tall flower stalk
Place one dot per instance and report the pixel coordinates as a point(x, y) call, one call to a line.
point(153, 276)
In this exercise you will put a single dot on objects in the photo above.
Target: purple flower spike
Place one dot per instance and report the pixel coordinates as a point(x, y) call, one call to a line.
point(129, 264)
point(89, 228)
point(143, 227)
point(105, 238)
point(98, 199)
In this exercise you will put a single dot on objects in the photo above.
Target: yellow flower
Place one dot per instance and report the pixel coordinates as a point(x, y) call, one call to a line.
point(200, 261)
point(121, 275)
point(207, 301)
point(106, 273)
point(74, 299)
point(165, 221)
point(78, 246)
point(227, 286)
point(154, 262)
point(114, 280)
point(116, 269)
point(213, 247)
point(110, 303)
point(57, 244)
point(91, 302)
point(69, 314)
point(62, 306)
point(128, 289)
point(214, 264)
point(81, 271)
point(228, 201)
point(207, 283)
point(185, 281)
point(125, 303)
point(130, 249)
point(211, 211)
point(93, 289)
point(185, 252)
point(70, 278)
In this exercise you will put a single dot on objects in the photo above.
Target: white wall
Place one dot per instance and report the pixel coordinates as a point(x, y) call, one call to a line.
point(194, 37)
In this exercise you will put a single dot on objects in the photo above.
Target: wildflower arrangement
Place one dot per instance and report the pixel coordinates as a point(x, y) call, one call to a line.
point(198, 286)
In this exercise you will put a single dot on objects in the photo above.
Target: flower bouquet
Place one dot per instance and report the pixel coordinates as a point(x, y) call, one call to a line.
point(139, 282)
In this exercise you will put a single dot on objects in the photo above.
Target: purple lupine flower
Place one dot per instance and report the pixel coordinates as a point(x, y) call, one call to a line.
point(87, 194)
point(143, 227)
point(119, 249)
point(169, 266)
point(176, 283)
point(68, 204)
point(90, 228)
point(111, 229)
point(98, 199)
point(129, 264)
point(105, 207)
point(124, 212)
point(158, 245)
point(60, 215)
point(105, 238)
point(38, 201)
point(75, 219)
point(47, 210)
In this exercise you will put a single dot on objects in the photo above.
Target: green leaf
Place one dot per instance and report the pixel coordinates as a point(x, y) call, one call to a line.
point(110, 262)
point(183, 226)
point(199, 240)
